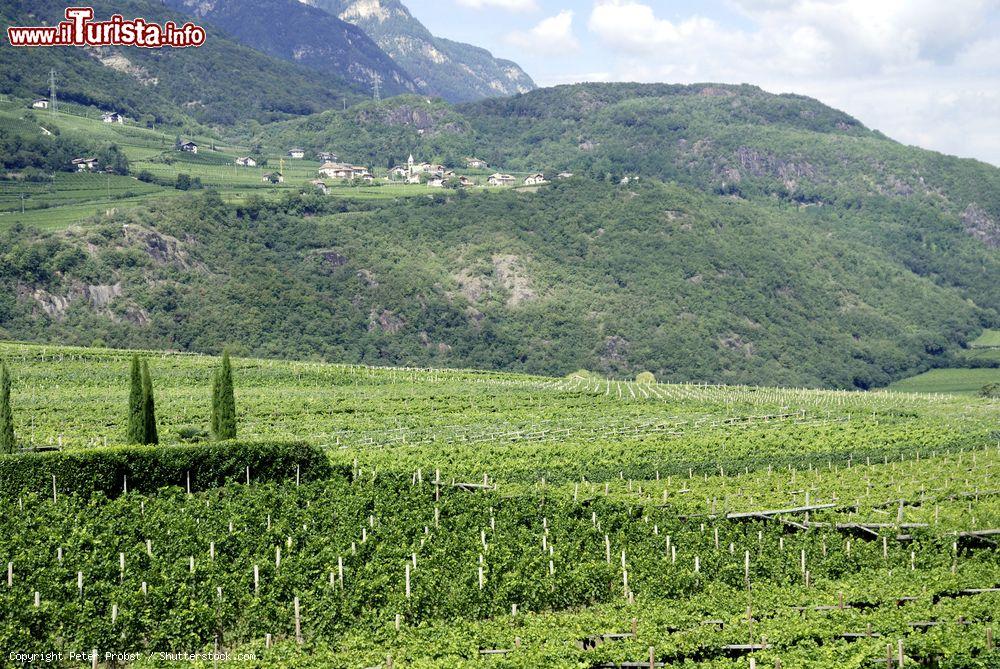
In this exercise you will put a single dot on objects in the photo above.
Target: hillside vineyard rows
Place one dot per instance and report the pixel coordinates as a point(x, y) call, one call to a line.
point(334, 344)
point(484, 519)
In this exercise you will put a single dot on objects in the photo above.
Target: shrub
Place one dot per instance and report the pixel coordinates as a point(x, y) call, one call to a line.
point(192, 435)
point(645, 377)
point(990, 390)
point(151, 468)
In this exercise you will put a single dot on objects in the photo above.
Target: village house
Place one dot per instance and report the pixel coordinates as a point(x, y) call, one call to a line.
point(113, 117)
point(399, 171)
point(320, 186)
point(476, 164)
point(500, 180)
point(535, 180)
point(40, 103)
point(190, 147)
point(85, 164)
point(296, 153)
point(564, 175)
point(423, 168)
point(327, 156)
point(273, 177)
point(437, 182)
point(465, 181)
point(246, 161)
point(343, 171)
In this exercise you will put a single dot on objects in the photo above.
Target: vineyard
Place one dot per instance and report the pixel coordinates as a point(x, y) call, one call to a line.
point(477, 519)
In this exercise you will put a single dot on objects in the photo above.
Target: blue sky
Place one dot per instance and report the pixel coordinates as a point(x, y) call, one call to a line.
point(925, 72)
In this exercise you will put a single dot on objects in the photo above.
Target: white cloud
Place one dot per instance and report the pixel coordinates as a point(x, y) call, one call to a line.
point(634, 27)
point(803, 37)
point(943, 110)
point(551, 36)
point(922, 71)
point(877, 36)
point(507, 5)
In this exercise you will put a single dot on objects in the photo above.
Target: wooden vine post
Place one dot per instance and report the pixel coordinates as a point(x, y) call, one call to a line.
point(298, 623)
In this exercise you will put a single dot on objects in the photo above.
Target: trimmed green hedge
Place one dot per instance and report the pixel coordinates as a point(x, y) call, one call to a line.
point(150, 468)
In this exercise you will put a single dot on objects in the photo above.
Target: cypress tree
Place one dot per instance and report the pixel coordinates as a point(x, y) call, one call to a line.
point(215, 404)
point(136, 428)
point(224, 416)
point(149, 435)
point(6, 416)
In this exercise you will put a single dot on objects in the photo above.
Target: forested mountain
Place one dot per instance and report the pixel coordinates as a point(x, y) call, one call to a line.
point(293, 31)
point(581, 274)
point(936, 214)
point(217, 84)
point(712, 233)
point(452, 70)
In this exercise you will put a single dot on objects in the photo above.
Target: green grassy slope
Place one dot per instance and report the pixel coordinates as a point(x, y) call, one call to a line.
point(979, 366)
point(961, 380)
point(989, 339)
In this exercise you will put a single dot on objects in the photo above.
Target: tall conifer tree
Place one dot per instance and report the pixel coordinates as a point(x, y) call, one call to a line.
point(214, 428)
point(148, 408)
point(6, 415)
point(224, 402)
point(136, 429)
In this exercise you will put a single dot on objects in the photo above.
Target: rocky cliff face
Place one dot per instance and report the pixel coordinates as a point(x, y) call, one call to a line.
point(452, 70)
point(978, 223)
point(293, 31)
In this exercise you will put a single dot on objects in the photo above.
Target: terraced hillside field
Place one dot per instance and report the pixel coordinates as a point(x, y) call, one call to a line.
point(69, 198)
point(477, 519)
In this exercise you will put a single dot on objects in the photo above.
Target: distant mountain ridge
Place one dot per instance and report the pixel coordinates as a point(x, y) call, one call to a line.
point(293, 31)
point(455, 71)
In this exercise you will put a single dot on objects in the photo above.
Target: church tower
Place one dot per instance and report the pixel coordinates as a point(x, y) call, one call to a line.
point(409, 165)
